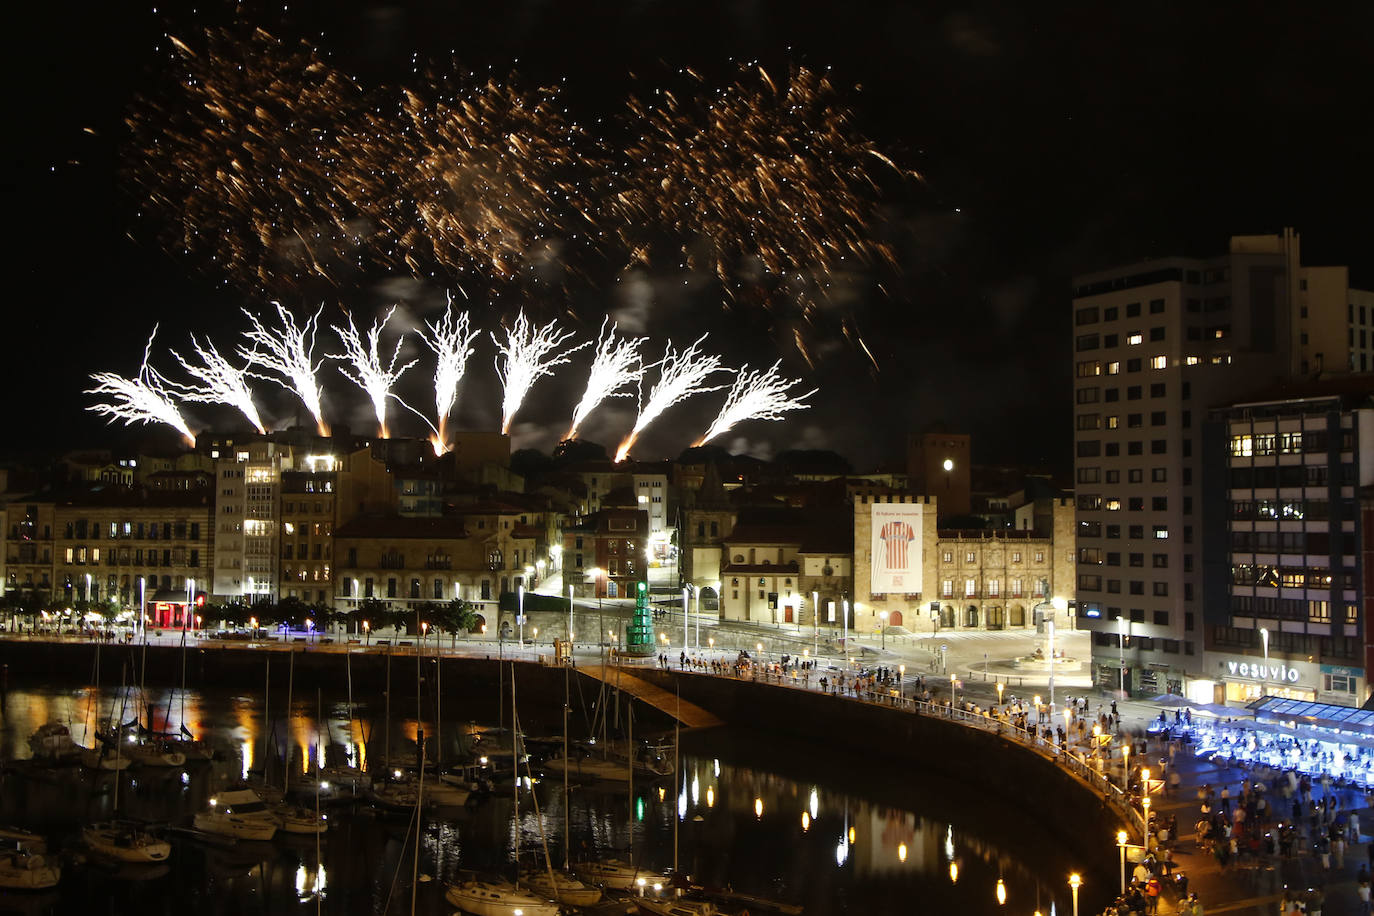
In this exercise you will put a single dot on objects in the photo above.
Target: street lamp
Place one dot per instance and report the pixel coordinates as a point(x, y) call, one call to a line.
point(1145, 804)
point(1000, 688)
point(1126, 763)
point(367, 634)
point(1075, 882)
point(520, 611)
point(1121, 838)
point(570, 619)
point(882, 615)
point(816, 623)
point(1264, 637)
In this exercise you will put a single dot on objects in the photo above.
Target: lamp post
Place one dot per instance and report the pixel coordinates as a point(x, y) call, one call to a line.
point(570, 618)
point(1051, 643)
point(520, 612)
point(1145, 804)
point(367, 634)
point(844, 606)
point(1121, 837)
point(1075, 882)
point(816, 623)
point(882, 615)
point(1264, 638)
point(686, 638)
point(1121, 640)
point(1126, 764)
point(1000, 688)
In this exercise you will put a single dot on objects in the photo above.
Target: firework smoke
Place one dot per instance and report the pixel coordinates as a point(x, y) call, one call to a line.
point(615, 369)
point(755, 395)
point(680, 375)
point(287, 352)
point(528, 354)
point(368, 372)
point(221, 383)
point(145, 398)
point(451, 341)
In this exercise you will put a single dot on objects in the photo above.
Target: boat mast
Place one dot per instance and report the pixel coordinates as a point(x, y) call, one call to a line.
point(515, 770)
point(266, 717)
point(290, 687)
point(386, 721)
point(567, 806)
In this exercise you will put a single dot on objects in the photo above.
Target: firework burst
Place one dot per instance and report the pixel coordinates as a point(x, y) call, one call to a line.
point(616, 368)
point(220, 381)
point(369, 374)
point(528, 353)
point(755, 395)
point(145, 398)
point(680, 376)
point(286, 351)
point(451, 340)
point(766, 185)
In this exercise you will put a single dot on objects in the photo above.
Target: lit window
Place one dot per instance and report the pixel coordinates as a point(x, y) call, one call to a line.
point(1114, 368)
point(1133, 339)
point(1191, 360)
point(1113, 505)
point(1161, 532)
point(1159, 362)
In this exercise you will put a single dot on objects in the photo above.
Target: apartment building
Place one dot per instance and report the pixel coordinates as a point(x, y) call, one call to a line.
point(1284, 591)
point(1156, 345)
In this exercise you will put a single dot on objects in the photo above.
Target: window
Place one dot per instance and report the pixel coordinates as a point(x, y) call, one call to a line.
point(1133, 393)
point(1135, 447)
point(1157, 308)
point(1089, 475)
point(1161, 532)
point(1159, 475)
point(1134, 420)
point(970, 557)
point(947, 556)
point(1089, 421)
point(1089, 448)
point(1134, 339)
point(1161, 589)
point(1088, 395)
point(1114, 368)
point(1159, 503)
point(1086, 315)
point(1159, 446)
point(1136, 559)
point(1113, 422)
point(1132, 309)
point(1159, 362)
point(1157, 334)
point(1089, 368)
point(947, 588)
point(1133, 365)
point(1111, 394)
point(1157, 389)
point(1110, 313)
point(970, 588)
point(1088, 342)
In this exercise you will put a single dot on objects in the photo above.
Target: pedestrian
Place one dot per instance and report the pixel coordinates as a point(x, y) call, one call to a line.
point(1152, 888)
point(1362, 889)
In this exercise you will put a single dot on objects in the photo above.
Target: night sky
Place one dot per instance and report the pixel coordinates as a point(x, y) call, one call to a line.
point(1050, 144)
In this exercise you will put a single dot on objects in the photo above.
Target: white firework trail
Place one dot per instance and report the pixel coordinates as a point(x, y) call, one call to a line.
point(680, 376)
point(220, 381)
point(145, 398)
point(368, 372)
point(287, 353)
point(529, 353)
point(451, 340)
point(756, 395)
point(615, 369)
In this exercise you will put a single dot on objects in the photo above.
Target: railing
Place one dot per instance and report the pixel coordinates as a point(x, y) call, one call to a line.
point(1076, 765)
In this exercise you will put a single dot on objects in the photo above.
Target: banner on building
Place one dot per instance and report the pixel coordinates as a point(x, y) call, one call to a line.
point(896, 548)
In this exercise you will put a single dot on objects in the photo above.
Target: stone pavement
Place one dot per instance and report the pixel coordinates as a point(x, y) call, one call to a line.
point(1254, 887)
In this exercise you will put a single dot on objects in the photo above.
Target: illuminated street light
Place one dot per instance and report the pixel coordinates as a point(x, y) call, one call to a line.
point(1121, 838)
point(1075, 882)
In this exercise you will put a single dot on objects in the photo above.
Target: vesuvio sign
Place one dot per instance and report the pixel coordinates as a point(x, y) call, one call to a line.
point(1264, 672)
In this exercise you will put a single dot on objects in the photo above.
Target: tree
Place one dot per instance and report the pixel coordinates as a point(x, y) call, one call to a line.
point(571, 451)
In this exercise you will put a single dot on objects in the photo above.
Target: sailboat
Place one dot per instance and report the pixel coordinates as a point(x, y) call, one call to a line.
point(295, 818)
point(27, 871)
point(501, 898)
point(615, 873)
point(564, 886)
point(126, 841)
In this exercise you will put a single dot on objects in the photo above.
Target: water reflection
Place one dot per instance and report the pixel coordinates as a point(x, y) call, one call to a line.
point(736, 814)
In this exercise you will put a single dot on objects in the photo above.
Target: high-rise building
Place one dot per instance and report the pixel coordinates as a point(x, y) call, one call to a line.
point(1281, 584)
point(1156, 344)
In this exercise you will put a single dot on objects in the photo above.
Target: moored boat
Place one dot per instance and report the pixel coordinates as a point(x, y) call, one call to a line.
point(241, 814)
point(493, 898)
point(614, 873)
point(561, 886)
point(27, 871)
point(667, 906)
point(126, 841)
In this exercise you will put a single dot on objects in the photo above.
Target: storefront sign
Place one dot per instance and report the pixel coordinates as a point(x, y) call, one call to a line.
point(1264, 672)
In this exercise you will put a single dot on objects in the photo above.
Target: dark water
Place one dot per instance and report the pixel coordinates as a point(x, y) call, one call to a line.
point(800, 821)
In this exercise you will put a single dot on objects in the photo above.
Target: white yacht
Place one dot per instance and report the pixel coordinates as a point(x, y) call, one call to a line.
point(615, 874)
point(241, 814)
point(561, 886)
point(27, 871)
